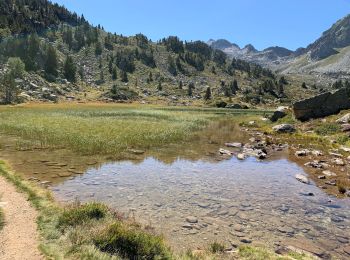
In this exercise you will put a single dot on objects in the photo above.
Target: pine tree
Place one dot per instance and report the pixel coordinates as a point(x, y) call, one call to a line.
point(304, 85)
point(207, 95)
point(7, 85)
point(190, 89)
point(160, 87)
point(98, 48)
point(171, 66)
point(69, 69)
point(180, 84)
point(114, 73)
point(124, 76)
point(51, 63)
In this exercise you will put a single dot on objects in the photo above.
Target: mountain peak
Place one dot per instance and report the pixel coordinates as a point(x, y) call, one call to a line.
point(338, 36)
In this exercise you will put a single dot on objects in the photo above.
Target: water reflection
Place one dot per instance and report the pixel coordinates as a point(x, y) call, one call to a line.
point(230, 200)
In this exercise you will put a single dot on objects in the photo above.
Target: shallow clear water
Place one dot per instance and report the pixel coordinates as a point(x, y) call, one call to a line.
point(232, 200)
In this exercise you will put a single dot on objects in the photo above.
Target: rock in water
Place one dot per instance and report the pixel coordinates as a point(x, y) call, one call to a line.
point(322, 105)
point(192, 220)
point(284, 128)
point(302, 178)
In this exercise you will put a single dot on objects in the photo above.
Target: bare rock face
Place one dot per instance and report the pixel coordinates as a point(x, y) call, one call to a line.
point(322, 105)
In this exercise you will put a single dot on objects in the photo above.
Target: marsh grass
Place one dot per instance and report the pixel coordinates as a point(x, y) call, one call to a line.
point(105, 129)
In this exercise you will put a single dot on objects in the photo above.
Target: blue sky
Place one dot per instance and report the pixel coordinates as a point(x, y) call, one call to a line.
point(263, 23)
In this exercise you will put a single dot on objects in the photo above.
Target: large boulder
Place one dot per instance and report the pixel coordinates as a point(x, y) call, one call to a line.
point(322, 105)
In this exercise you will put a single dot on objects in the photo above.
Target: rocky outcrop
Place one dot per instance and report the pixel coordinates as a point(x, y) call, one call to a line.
point(322, 105)
point(284, 128)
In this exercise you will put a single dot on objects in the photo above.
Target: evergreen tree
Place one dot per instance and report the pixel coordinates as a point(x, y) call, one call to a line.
point(180, 84)
point(102, 76)
point(32, 52)
point(69, 69)
point(8, 86)
point(171, 66)
point(207, 95)
point(190, 89)
point(304, 85)
point(51, 62)
point(114, 73)
point(124, 76)
point(160, 87)
point(98, 48)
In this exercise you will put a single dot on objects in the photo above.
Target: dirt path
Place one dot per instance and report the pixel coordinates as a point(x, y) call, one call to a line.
point(19, 238)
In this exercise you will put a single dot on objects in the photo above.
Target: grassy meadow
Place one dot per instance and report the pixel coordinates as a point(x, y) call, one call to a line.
point(105, 129)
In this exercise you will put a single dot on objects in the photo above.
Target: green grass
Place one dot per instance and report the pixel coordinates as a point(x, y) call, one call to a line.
point(327, 129)
point(104, 129)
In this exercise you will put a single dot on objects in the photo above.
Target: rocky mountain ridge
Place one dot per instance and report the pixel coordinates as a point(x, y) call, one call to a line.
point(327, 57)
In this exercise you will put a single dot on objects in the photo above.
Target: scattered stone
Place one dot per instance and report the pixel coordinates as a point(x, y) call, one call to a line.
point(136, 152)
point(251, 123)
point(347, 249)
point(246, 240)
point(338, 162)
point(321, 177)
point(235, 145)
point(187, 226)
point(302, 178)
point(238, 228)
point(317, 164)
point(192, 220)
point(345, 127)
point(225, 152)
point(345, 149)
point(317, 153)
point(64, 174)
point(241, 156)
point(304, 152)
point(344, 119)
point(329, 173)
point(45, 182)
point(336, 154)
point(331, 183)
point(284, 128)
point(285, 229)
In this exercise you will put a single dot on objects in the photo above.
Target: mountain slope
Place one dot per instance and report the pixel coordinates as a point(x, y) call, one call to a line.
point(65, 57)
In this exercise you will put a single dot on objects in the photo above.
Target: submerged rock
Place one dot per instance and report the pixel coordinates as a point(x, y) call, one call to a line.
point(192, 219)
point(302, 178)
